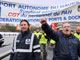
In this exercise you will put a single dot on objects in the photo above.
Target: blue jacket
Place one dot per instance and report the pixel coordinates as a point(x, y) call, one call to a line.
point(26, 47)
point(67, 47)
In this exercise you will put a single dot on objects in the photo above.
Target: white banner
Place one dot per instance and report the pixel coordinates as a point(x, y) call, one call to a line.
point(14, 12)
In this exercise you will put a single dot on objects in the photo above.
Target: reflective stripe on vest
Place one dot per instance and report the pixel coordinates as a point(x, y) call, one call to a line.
point(24, 50)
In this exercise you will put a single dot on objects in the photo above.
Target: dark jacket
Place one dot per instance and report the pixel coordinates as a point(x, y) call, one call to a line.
point(26, 47)
point(67, 47)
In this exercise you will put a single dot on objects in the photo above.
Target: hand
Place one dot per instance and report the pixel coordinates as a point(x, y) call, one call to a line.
point(43, 21)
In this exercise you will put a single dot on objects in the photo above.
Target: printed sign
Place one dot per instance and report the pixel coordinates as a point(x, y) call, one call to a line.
point(15, 12)
point(27, 41)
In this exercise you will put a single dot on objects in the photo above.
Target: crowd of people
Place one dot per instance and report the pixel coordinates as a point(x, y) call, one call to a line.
point(33, 46)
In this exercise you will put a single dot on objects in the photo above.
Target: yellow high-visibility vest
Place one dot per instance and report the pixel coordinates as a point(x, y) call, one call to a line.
point(78, 36)
point(43, 40)
point(52, 41)
point(37, 34)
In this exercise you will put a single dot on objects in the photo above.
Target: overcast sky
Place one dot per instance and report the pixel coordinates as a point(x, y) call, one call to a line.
point(42, 2)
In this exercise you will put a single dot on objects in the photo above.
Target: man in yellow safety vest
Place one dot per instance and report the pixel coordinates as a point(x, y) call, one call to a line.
point(43, 44)
point(37, 33)
point(77, 34)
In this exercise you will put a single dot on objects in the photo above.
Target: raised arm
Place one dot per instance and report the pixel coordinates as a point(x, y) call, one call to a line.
point(48, 30)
